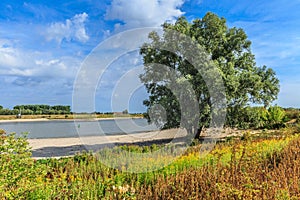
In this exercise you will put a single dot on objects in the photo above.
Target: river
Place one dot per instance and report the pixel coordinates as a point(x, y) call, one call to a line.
point(69, 128)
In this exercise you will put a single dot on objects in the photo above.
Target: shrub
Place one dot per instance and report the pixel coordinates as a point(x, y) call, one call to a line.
point(248, 117)
point(257, 117)
point(276, 117)
point(16, 166)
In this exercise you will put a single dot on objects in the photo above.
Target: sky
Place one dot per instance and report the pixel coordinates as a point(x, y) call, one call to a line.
point(45, 44)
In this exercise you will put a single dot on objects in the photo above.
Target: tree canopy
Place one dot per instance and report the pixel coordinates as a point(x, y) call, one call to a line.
point(227, 50)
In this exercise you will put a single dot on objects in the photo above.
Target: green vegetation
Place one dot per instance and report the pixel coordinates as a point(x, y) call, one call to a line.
point(241, 168)
point(292, 114)
point(170, 62)
point(43, 109)
point(36, 110)
point(18, 171)
point(261, 166)
point(56, 112)
point(259, 118)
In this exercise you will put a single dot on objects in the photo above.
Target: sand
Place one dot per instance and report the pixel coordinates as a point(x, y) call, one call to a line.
point(61, 147)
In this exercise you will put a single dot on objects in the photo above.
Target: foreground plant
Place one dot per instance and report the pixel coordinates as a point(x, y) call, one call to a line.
point(274, 177)
point(17, 167)
point(242, 168)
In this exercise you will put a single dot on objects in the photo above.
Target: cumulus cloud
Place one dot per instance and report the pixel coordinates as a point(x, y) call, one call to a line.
point(8, 55)
point(71, 29)
point(143, 13)
point(32, 65)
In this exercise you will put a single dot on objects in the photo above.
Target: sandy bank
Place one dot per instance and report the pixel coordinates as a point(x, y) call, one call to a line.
point(58, 147)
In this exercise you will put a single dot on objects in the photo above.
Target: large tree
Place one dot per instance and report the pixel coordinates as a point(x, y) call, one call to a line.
point(226, 50)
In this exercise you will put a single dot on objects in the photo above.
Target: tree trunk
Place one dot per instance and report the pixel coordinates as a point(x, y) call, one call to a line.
point(198, 133)
point(194, 134)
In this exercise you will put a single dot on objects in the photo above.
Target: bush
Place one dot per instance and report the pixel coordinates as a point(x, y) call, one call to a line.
point(276, 117)
point(248, 117)
point(257, 117)
point(16, 166)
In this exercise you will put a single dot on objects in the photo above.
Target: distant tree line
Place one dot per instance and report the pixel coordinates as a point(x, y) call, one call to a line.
point(36, 110)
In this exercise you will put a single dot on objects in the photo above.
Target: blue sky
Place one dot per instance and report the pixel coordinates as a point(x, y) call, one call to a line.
point(43, 43)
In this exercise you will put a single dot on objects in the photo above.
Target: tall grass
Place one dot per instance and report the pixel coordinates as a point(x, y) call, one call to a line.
point(276, 176)
point(239, 169)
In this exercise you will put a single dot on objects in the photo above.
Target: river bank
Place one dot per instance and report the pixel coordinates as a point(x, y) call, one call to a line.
point(60, 147)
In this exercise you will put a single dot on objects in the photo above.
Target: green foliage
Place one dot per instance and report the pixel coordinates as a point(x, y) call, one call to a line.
point(6, 111)
point(36, 110)
point(247, 117)
point(231, 169)
point(42, 109)
point(17, 168)
point(276, 117)
point(229, 50)
point(125, 112)
point(257, 117)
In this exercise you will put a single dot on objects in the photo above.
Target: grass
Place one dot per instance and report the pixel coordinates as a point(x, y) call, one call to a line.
point(272, 176)
point(242, 168)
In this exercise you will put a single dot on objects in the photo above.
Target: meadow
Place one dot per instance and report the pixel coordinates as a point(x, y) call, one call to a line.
point(265, 166)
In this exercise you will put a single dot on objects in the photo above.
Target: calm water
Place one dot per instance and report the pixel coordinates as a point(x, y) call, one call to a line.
point(57, 129)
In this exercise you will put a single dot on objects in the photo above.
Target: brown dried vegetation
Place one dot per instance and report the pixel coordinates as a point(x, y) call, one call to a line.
point(277, 177)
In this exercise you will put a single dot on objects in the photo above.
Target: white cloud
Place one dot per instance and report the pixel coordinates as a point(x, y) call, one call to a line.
point(16, 62)
point(143, 13)
point(10, 57)
point(63, 67)
point(72, 29)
